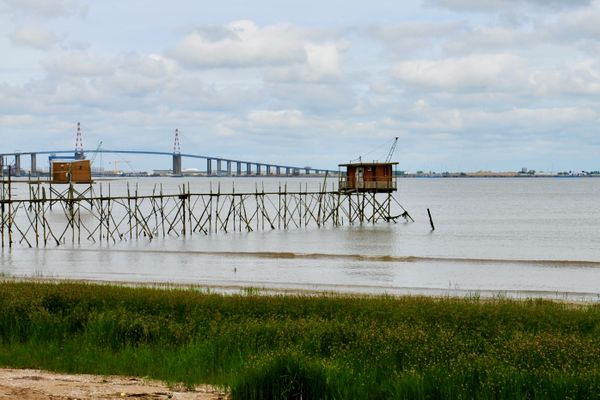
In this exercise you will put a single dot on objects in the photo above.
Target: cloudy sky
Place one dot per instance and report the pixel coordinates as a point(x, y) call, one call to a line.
point(465, 84)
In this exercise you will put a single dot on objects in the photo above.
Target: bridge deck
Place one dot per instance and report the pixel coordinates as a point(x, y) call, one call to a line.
point(209, 159)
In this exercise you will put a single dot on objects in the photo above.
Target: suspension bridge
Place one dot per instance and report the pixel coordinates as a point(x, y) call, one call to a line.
point(11, 161)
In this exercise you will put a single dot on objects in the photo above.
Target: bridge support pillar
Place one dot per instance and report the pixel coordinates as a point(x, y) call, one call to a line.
point(2, 165)
point(248, 169)
point(277, 171)
point(177, 164)
point(228, 168)
point(208, 167)
point(287, 171)
point(17, 168)
point(268, 170)
point(219, 169)
point(258, 171)
point(238, 168)
point(307, 170)
point(33, 164)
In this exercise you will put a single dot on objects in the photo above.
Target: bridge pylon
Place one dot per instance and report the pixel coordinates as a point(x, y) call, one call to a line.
point(17, 167)
point(177, 154)
point(79, 155)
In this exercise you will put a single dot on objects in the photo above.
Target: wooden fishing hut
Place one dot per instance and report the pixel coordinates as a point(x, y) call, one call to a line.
point(75, 171)
point(373, 177)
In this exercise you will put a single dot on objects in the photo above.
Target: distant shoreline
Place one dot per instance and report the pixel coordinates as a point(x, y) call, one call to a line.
point(492, 175)
point(432, 175)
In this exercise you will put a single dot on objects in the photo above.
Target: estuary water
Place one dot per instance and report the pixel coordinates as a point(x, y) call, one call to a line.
point(516, 237)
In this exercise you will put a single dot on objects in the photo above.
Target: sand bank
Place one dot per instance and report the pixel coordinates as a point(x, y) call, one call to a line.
point(26, 384)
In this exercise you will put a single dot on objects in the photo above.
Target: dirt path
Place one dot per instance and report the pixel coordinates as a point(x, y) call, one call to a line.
point(30, 384)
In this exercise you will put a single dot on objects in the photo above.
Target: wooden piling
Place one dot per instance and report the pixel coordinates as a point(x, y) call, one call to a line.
point(430, 220)
point(135, 215)
point(10, 242)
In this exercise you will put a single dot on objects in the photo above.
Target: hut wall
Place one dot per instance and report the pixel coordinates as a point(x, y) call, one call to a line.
point(75, 172)
point(375, 177)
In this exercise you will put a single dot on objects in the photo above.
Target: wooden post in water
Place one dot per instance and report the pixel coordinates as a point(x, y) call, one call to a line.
point(183, 199)
point(43, 208)
point(9, 207)
point(50, 190)
point(129, 212)
point(189, 208)
point(36, 204)
point(285, 210)
point(430, 220)
point(2, 198)
point(71, 205)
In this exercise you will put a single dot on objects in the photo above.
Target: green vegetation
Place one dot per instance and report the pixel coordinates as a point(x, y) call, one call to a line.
point(323, 347)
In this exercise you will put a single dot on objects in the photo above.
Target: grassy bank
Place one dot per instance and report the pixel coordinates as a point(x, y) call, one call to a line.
point(323, 347)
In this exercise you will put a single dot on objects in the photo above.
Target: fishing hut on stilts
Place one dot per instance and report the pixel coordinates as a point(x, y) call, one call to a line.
point(371, 185)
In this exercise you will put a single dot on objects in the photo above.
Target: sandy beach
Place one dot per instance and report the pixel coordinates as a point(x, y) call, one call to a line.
point(27, 384)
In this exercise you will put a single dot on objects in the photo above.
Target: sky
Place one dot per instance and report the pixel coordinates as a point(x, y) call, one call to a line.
point(466, 85)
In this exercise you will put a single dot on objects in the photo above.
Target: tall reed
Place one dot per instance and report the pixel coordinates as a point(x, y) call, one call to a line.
point(318, 347)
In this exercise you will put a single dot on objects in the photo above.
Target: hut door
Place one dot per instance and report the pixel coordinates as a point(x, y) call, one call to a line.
point(360, 181)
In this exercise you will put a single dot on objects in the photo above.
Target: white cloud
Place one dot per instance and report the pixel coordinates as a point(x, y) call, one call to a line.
point(42, 8)
point(281, 52)
point(580, 78)
point(322, 64)
point(414, 37)
point(317, 98)
point(471, 73)
point(434, 121)
point(224, 130)
point(574, 25)
point(532, 120)
point(489, 39)
point(261, 119)
point(504, 5)
point(151, 65)
point(77, 63)
point(137, 75)
point(16, 120)
point(34, 37)
point(241, 44)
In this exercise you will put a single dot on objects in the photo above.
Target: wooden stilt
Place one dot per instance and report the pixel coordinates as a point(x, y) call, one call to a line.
point(430, 220)
point(100, 215)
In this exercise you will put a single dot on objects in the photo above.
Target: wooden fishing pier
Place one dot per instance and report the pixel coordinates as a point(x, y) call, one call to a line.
point(53, 215)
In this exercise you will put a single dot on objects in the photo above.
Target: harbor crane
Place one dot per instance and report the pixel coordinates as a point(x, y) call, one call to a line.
point(389, 156)
point(116, 165)
point(392, 150)
point(98, 149)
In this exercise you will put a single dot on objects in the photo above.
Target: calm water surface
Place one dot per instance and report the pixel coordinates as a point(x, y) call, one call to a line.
point(516, 237)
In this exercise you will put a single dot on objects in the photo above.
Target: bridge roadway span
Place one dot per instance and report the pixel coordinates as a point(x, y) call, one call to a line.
point(177, 164)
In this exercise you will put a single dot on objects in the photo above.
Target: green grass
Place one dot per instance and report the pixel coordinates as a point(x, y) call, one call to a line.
point(263, 347)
